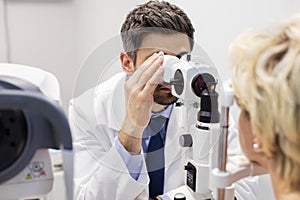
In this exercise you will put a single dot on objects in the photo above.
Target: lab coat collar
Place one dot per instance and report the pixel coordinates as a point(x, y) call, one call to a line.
point(166, 113)
point(117, 103)
point(174, 130)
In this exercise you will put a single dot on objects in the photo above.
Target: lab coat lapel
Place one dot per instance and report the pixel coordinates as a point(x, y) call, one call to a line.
point(172, 147)
point(117, 106)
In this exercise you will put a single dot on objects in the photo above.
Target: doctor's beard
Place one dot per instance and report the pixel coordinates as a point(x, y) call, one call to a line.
point(163, 96)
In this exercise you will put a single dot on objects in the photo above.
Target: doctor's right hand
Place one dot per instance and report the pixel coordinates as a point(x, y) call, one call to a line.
point(139, 89)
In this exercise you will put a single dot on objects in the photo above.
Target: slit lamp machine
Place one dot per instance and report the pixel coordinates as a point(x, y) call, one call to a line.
point(210, 172)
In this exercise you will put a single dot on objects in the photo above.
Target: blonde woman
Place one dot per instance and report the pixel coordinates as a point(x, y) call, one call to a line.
point(266, 79)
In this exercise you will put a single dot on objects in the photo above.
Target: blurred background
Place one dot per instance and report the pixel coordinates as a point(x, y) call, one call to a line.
point(58, 35)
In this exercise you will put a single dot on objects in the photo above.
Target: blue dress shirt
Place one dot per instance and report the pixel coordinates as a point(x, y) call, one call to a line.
point(134, 162)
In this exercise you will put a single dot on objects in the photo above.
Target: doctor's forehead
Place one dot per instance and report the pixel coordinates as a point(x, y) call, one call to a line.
point(147, 52)
point(172, 43)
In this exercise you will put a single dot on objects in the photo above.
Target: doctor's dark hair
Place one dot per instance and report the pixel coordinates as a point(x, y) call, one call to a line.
point(154, 17)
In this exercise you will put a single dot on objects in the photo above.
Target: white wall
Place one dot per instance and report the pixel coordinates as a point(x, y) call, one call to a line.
point(41, 34)
point(3, 52)
point(57, 35)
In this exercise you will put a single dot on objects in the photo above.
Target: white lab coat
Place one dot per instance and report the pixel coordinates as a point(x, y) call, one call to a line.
point(99, 171)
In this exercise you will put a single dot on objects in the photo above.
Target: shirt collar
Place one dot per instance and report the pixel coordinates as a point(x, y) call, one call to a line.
point(164, 113)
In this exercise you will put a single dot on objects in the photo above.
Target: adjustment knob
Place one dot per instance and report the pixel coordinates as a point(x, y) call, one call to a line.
point(186, 140)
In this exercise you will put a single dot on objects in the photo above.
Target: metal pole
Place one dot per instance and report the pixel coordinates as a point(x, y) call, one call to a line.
point(223, 143)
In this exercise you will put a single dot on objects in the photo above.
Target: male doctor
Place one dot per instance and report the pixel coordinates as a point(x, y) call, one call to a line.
point(126, 129)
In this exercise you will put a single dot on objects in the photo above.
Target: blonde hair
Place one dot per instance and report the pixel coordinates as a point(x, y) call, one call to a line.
point(266, 79)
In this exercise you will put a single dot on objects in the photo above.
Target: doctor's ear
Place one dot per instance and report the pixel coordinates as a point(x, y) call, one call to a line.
point(127, 63)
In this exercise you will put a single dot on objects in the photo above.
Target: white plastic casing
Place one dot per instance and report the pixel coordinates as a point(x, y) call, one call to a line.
point(189, 71)
point(35, 180)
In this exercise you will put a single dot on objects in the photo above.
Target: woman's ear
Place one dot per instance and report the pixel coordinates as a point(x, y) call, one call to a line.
point(260, 155)
point(127, 63)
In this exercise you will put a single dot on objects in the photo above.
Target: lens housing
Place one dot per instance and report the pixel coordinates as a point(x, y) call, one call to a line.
point(201, 83)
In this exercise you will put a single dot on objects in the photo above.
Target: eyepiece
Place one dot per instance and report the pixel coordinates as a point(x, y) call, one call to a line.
point(203, 82)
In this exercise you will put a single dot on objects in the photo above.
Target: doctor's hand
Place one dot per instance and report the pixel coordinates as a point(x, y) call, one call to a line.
point(139, 91)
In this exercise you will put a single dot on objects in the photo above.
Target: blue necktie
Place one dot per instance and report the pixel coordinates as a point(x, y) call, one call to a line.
point(155, 162)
